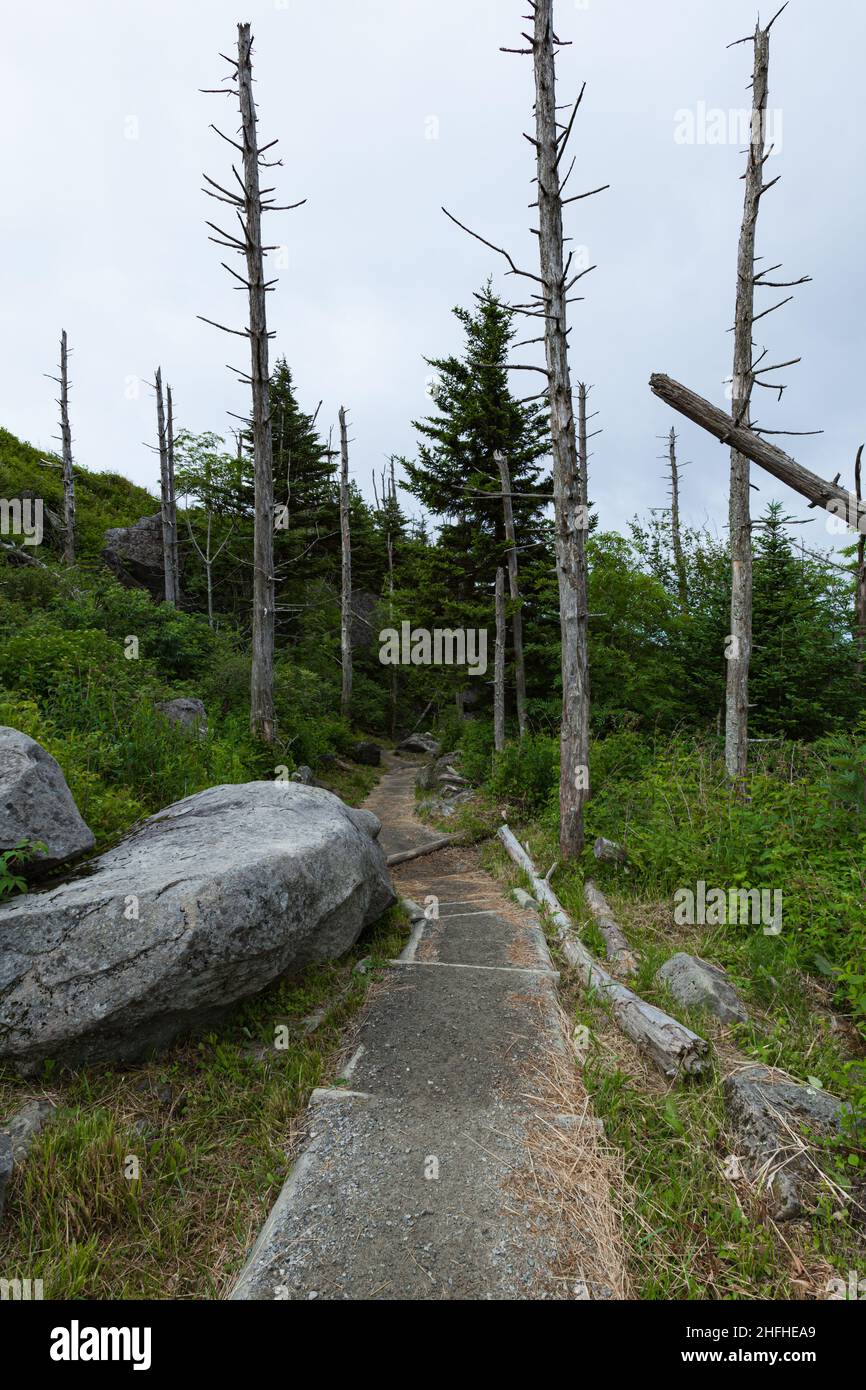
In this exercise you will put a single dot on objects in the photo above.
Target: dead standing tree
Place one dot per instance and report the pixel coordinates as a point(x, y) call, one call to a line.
point(165, 494)
point(514, 592)
point(346, 574)
point(676, 531)
point(746, 375)
point(249, 204)
point(860, 607)
point(550, 303)
point(499, 665)
point(172, 495)
point(66, 454)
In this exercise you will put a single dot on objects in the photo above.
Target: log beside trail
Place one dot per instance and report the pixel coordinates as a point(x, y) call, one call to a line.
point(669, 1044)
point(616, 947)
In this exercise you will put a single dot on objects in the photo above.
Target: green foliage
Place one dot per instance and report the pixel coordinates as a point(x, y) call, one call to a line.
point(11, 860)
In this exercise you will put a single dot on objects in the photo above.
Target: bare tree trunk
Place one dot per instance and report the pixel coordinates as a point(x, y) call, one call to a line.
point(819, 492)
point(172, 497)
point(569, 519)
point(739, 648)
point(262, 682)
point(346, 590)
point(861, 571)
point(499, 665)
point(676, 534)
point(391, 601)
point(582, 449)
point(66, 455)
point(165, 493)
point(514, 591)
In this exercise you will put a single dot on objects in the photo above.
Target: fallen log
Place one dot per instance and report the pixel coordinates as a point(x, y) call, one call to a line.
point(820, 493)
point(671, 1046)
point(616, 947)
point(429, 848)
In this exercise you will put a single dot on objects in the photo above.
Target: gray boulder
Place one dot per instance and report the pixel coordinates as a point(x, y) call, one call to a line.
point(368, 754)
point(773, 1117)
point(421, 743)
point(134, 554)
point(697, 984)
point(208, 902)
point(186, 714)
point(37, 805)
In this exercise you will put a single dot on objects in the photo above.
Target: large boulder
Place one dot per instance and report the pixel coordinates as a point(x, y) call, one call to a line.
point(698, 984)
point(774, 1119)
point(208, 902)
point(37, 805)
point(135, 555)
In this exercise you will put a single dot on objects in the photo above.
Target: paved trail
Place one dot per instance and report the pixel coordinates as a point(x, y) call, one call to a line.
point(418, 1179)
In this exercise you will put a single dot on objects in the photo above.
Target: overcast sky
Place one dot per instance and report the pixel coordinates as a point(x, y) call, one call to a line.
point(385, 110)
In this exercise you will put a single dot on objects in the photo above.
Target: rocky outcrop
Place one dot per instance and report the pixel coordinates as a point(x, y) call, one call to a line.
point(187, 714)
point(134, 554)
point(207, 903)
point(697, 984)
point(36, 805)
point(774, 1118)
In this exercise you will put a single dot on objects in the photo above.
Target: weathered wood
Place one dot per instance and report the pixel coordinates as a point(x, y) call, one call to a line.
point(676, 533)
point(346, 574)
point(404, 855)
point(167, 560)
point(569, 519)
point(818, 491)
point(262, 719)
point(172, 496)
point(499, 665)
point(739, 647)
point(671, 1046)
point(514, 592)
point(617, 949)
point(66, 457)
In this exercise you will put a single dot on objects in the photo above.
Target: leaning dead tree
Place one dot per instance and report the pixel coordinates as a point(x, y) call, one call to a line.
point(346, 574)
point(249, 202)
point(818, 491)
point(499, 665)
point(514, 593)
point(165, 494)
point(745, 377)
point(672, 1046)
point(676, 531)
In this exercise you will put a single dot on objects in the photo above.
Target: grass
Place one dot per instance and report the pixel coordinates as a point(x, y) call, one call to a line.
point(693, 1231)
point(153, 1182)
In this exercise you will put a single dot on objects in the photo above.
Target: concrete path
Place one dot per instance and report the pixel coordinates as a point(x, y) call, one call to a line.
point(417, 1180)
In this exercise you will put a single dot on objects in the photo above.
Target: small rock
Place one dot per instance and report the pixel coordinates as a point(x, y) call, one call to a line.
point(303, 774)
point(608, 851)
point(696, 983)
point(16, 1136)
point(363, 966)
point(6, 1166)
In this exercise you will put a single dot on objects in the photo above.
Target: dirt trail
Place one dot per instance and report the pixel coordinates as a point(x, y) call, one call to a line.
point(456, 1156)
